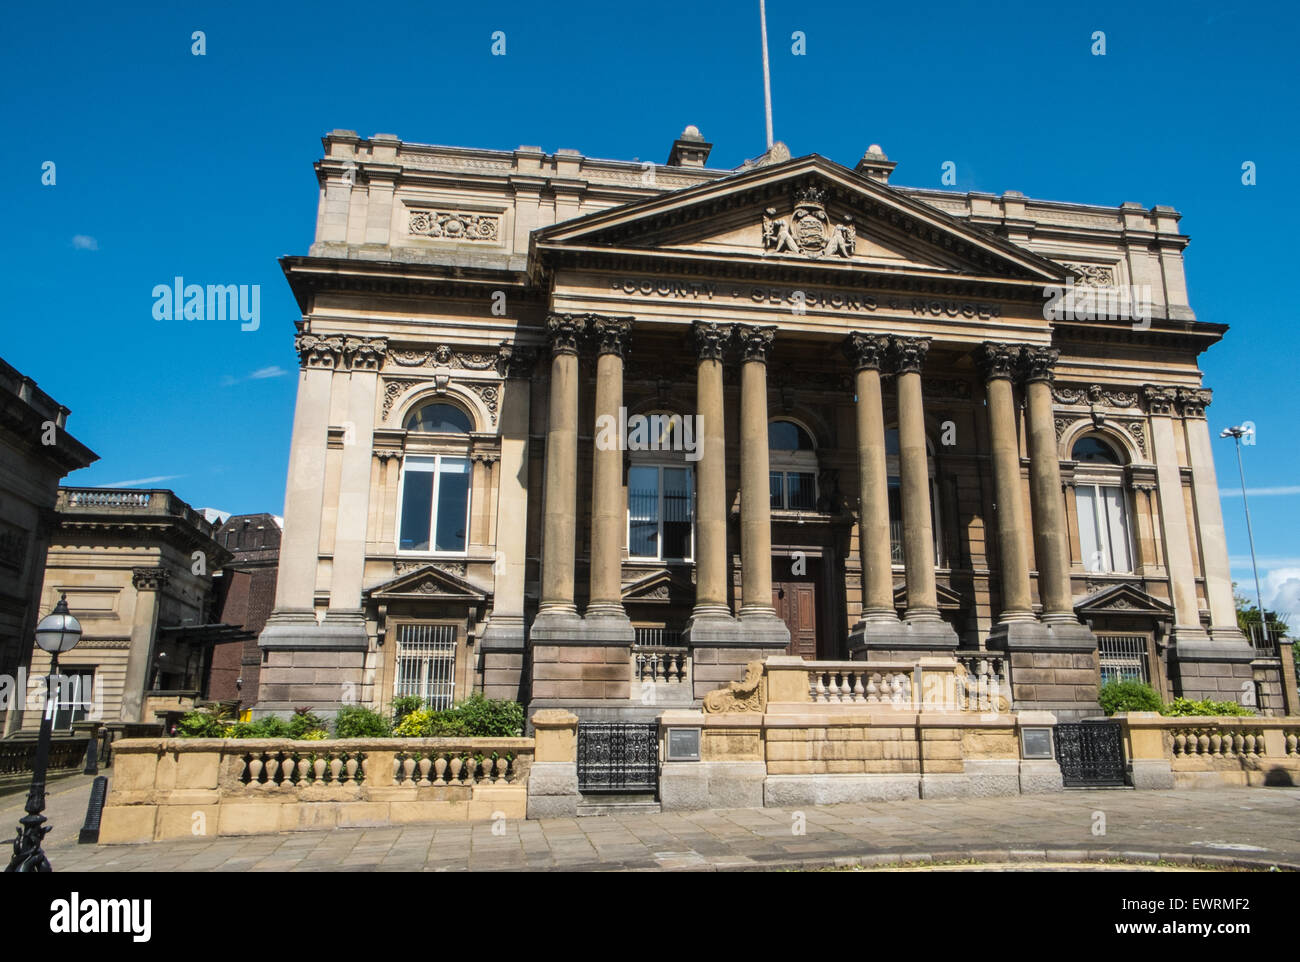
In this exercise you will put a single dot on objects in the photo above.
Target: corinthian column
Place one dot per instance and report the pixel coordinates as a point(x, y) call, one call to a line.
point(867, 352)
point(758, 616)
point(914, 479)
point(711, 616)
point(998, 364)
point(560, 501)
point(1051, 544)
point(607, 512)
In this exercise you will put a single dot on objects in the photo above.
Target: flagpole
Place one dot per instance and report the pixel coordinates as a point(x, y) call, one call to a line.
point(767, 76)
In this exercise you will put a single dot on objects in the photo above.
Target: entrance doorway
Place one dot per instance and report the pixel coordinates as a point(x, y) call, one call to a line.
point(797, 599)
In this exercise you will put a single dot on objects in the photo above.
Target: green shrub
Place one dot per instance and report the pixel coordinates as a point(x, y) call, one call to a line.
point(415, 724)
point(1185, 706)
point(490, 718)
point(404, 705)
point(1128, 695)
point(357, 721)
point(200, 724)
point(269, 727)
point(305, 722)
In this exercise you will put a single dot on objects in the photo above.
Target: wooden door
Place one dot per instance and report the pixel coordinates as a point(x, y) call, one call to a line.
point(796, 604)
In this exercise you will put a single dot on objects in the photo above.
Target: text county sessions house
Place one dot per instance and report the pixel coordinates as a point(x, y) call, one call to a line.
point(874, 443)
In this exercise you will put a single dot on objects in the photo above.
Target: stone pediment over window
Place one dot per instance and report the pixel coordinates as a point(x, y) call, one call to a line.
point(948, 599)
point(429, 583)
point(805, 211)
point(1122, 599)
point(658, 587)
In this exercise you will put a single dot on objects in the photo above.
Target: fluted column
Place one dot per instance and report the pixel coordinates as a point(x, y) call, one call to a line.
point(608, 516)
point(1051, 543)
point(710, 477)
point(560, 503)
point(998, 363)
point(868, 352)
point(755, 490)
point(914, 480)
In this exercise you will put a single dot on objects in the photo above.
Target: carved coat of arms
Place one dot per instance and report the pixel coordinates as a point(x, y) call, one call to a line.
point(808, 229)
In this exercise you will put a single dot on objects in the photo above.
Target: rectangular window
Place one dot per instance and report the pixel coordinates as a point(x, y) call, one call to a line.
point(1122, 657)
point(426, 664)
point(660, 512)
point(434, 504)
point(793, 490)
point(74, 692)
point(1103, 528)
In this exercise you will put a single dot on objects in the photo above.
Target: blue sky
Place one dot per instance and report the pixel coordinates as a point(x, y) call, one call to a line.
point(169, 163)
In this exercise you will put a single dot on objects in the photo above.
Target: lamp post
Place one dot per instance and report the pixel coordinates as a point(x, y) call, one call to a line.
point(1237, 433)
point(58, 632)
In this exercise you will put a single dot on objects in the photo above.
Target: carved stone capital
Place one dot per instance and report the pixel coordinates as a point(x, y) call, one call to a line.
point(711, 339)
point(319, 352)
point(867, 352)
point(1038, 363)
point(365, 353)
point(514, 361)
point(1160, 400)
point(909, 354)
point(996, 360)
point(1193, 401)
point(610, 334)
point(563, 332)
point(755, 341)
point(150, 579)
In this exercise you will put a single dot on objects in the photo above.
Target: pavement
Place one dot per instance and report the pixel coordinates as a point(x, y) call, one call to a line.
point(1226, 828)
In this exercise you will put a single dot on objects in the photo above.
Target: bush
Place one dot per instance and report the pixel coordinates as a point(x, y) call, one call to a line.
point(1185, 706)
point(404, 705)
point(475, 717)
point(200, 724)
point(305, 723)
point(356, 721)
point(268, 727)
point(1128, 695)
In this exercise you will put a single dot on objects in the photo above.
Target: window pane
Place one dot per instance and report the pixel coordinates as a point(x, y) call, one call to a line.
point(441, 418)
point(643, 512)
point(1091, 551)
point(895, 521)
point(775, 485)
point(1117, 523)
point(417, 509)
point(453, 505)
point(1094, 450)
point(803, 491)
point(787, 436)
point(677, 513)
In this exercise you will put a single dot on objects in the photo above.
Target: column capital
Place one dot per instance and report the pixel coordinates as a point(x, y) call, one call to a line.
point(909, 354)
point(1037, 364)
point(315, 351)
point(365, 353)
point(610, 334)
point(1160, 400)
point(1193, 401)
point(563, 332)
point(755, 341)
point(997, 361)
point(149, 579)
point(711, 339)
point(867, 352)
point(514, 361)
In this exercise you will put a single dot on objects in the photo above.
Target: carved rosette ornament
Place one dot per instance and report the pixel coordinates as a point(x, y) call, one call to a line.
point(1160, 400)
point(711, 339)
point(513, 361)
point(150, 579)
point(747, 695)
point(488, 394)
point(1038, 363)
point(909, 354)
point(1193, 402)
point(755, 341)
point(563, 332)
point(610, 334)
point(867, 352)
point(997, 361)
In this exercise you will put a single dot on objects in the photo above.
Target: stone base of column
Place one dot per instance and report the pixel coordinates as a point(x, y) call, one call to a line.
point(289, 629)
point(761, 628)
point(503, 646)
point(1056, 680)
point(560, 627)
point(710, 628)
point(1221, 671)
point(1041, 636)
point(292, 677)
point(915, 635)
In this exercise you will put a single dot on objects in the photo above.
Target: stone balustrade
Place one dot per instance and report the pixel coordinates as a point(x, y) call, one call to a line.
point(854, 683)
point(661, 664)
point(174, 788)
point(1210, 752)
point(985, 684)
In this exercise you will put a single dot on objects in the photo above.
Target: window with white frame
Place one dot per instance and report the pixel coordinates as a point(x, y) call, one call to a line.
point(792, 462)
point(660, 512)
point(434, 506)
point(74, 692)
point(426, 664)
point(1105, 538)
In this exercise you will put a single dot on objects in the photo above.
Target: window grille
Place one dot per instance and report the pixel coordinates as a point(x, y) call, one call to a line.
point(426, 663)
point(1123, 658)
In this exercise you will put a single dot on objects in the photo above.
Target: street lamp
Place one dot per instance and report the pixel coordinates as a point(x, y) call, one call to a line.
point(1237, 433)
point(58, 632)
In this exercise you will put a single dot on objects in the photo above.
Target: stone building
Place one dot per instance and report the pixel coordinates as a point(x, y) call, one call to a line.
point(575, 430)
point(245, 588)
point(36, 452)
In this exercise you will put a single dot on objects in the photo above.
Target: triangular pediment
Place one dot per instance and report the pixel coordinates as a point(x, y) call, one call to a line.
point(1122, 599)
point(429, 583)
point(948, 600)
point(808, 211)
point(657, 587)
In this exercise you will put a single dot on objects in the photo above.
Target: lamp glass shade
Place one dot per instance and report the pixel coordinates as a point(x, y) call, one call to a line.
point(58, 631)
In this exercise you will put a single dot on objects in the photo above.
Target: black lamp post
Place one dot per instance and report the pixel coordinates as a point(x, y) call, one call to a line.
point(57, 633)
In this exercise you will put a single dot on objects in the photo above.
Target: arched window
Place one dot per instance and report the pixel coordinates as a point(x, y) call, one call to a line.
point(896, 500)
point(439, 418)
point(1105, 540)
point(661, 487)
point(792, 461)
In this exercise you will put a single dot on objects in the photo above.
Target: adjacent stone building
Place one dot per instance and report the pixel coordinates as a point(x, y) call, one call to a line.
point(36, 452)
point(594, 434)
point(245, 588)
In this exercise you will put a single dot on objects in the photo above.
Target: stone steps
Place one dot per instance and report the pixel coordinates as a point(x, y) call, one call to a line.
point(618, 805)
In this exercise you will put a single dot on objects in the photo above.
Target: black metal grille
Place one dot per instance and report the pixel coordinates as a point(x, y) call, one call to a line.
point(618, 756)
point(1090, 754)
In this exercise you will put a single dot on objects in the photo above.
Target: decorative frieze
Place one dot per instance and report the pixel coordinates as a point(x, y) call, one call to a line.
point(450, 567)
point(1092, 275)
point(445, 356)
point(1094, 395)
point(150, 579)
point(454, 225)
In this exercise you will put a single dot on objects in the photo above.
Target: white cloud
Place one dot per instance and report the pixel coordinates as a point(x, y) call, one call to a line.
point(1281, 588)
point(135, 481)
point(1260, 492)
point(276, 371)
point(84, 242)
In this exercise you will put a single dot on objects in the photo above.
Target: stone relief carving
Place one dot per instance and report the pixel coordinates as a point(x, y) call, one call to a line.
point(808, 230)
point(454, 225)
point(395, 388)
point(445, 356)
point(747, 695)
point(1094, 394)
point(1093, 275)
point(488, 394)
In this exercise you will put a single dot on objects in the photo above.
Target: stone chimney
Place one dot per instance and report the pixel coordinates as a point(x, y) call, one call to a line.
point(876, 165)
point(689, 150)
